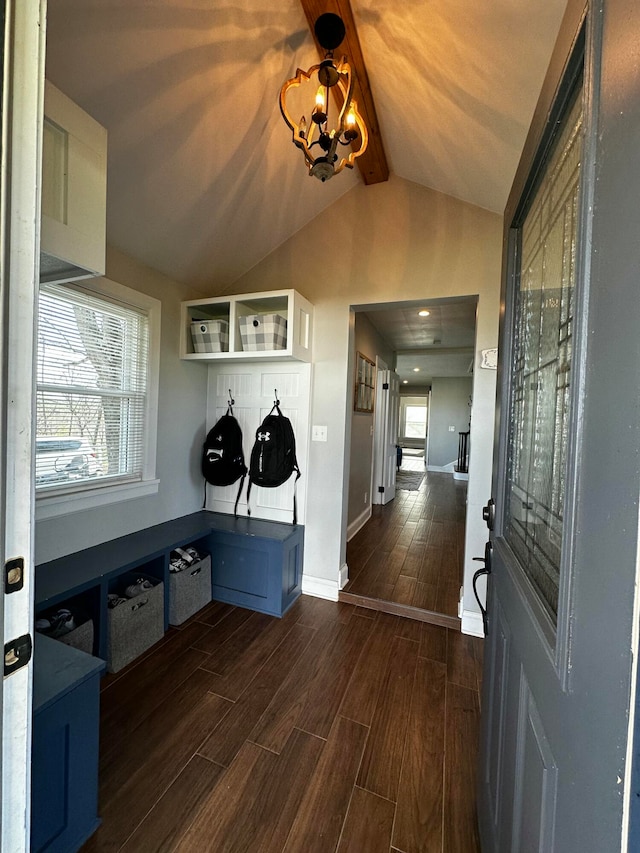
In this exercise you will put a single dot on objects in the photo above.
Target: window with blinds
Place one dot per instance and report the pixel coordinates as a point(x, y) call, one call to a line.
point(91, 390)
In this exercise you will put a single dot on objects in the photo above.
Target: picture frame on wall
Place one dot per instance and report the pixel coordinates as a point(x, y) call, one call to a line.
point(364, 394)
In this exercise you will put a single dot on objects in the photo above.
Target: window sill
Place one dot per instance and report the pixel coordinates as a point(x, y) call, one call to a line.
point(52, 506)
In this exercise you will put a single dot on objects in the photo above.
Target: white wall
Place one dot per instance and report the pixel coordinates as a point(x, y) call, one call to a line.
point(182, 407)
point(388, 242)
point(449, 407)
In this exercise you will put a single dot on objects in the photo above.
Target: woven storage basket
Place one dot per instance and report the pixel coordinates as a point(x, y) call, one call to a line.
point(189, 590)
point(80, 638)
point(135, 625)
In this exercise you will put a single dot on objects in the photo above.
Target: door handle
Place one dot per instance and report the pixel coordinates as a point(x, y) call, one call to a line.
point(485, 570)
point(489, 515)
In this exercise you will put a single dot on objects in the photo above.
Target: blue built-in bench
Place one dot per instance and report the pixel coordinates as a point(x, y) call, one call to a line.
point(254, 563)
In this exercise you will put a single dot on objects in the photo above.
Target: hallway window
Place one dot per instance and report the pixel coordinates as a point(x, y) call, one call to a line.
point(95, 390)
point(413, 418)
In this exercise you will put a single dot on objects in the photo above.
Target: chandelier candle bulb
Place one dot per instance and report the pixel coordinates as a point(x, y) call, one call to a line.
point(319, 115)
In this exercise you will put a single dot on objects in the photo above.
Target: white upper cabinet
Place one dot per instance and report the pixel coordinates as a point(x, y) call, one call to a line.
point(277, 324)
point(74, 191)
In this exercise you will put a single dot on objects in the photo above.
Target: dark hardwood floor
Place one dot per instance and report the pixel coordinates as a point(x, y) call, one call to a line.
point(336, 728)
point(410, 553)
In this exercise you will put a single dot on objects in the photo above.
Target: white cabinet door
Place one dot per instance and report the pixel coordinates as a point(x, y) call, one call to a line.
point(74, 191)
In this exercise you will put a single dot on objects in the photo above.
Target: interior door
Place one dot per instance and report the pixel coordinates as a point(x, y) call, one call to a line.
point(387, 405)
point(558, 669)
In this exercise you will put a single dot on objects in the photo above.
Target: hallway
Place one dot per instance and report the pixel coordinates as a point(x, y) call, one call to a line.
point(410, 553)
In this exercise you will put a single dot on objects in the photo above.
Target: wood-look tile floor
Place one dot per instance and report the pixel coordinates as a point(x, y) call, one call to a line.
point(411, 551)
point(336, 728)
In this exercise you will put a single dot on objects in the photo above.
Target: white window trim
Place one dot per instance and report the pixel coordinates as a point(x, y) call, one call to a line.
point(63, 502)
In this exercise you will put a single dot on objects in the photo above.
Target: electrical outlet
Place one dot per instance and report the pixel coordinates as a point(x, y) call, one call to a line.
point(366, 497)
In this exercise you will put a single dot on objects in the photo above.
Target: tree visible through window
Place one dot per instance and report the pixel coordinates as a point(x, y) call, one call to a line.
point(92, 366)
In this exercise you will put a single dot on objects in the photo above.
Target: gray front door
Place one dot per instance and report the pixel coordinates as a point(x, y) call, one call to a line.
point(554, 768)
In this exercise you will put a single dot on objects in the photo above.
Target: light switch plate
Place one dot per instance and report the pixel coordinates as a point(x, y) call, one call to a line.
point(318, 433)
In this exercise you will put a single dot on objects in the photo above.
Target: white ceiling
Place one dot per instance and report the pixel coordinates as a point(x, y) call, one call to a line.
point(439, 345)
point(203, 180)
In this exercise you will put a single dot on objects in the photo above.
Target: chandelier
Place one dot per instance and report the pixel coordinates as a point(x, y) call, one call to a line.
point(319, 138)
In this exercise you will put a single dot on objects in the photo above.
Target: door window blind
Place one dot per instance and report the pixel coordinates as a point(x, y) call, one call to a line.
point(91, 390)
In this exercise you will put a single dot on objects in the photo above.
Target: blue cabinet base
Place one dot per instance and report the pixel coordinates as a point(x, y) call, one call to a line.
point(66, 713)
point(256, 564)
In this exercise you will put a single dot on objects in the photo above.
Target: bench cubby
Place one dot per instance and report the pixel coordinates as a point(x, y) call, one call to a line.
point(254, 563)
point(85, 609)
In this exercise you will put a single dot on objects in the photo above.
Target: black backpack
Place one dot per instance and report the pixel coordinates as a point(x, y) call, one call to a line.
point(222, 454)
point(273, 457)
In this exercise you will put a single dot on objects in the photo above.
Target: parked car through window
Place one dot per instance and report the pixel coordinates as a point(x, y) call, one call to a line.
point(60, 460)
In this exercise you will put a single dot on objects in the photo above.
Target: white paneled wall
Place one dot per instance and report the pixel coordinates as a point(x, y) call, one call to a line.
point(253, 388)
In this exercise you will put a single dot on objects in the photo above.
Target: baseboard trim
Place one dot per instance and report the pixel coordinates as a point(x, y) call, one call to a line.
point(358, 523)
point(320, 587)
point(343, 578)
point(472, 623)
point(443, 469)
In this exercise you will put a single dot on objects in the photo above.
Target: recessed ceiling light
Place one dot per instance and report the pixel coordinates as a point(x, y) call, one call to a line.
point(423, 313)
point(416, 370)
point(405, 381)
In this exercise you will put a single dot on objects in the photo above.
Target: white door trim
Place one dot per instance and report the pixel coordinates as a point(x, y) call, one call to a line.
point(23, 94)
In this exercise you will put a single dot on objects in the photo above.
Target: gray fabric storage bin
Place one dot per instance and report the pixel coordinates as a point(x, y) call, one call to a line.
point(189, 590)
point(135, 625)
point(80, 638)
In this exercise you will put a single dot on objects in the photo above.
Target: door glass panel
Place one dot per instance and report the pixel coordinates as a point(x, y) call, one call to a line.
point(541, 367)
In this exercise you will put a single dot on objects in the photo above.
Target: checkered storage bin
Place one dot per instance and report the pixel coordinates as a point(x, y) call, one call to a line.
point(210, 335)
point(263, 332)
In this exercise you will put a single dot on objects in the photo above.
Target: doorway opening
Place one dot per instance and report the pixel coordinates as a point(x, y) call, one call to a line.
point(407, 502)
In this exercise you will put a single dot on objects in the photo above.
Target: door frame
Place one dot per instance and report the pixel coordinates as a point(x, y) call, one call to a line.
point(23, 96)
point(482, 437)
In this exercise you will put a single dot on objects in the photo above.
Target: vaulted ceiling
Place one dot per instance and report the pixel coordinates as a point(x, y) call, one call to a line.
point(203, 181)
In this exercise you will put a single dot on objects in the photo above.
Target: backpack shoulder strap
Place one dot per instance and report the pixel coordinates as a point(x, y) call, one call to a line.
point(235, 506)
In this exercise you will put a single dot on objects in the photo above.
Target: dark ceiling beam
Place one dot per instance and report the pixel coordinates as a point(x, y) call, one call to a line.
point(373, 163)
